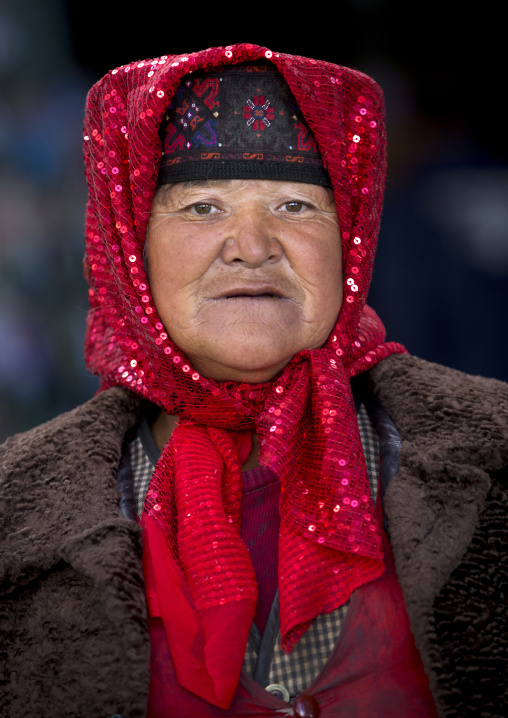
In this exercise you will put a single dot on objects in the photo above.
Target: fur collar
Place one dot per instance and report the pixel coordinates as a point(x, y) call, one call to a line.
point(59, 497)
point(454, 431)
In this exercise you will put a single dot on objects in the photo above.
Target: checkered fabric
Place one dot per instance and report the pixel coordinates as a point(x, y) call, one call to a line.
point(142, 470)
point(297, 670)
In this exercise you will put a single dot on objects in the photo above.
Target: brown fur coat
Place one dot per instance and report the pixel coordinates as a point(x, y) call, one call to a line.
point(73, 638)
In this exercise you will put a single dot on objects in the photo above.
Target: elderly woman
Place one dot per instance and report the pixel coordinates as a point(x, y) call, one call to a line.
point(234, 206)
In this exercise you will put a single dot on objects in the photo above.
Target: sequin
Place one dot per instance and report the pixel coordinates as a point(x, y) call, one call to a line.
point(124, 323)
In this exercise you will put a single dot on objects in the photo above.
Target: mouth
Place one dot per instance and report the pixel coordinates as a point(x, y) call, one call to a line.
point(246, 292)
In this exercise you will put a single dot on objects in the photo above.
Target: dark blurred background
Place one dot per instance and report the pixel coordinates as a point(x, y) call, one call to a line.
point(441, 277)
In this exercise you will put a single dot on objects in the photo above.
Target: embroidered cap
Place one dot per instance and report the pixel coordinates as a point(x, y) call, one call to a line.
point(238, 122)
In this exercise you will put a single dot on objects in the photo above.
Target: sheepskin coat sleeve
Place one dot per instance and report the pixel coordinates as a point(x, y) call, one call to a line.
point(446, 512)
point(73, 623)
point(73, 632)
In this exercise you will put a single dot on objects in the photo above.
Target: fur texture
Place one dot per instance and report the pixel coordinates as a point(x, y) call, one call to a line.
point(73, 617)
point(446, 513)
point(73, 621)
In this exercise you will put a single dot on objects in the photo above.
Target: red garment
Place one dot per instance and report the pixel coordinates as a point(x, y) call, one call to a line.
point(305, 419)
point(260, 532)
point(374, 670)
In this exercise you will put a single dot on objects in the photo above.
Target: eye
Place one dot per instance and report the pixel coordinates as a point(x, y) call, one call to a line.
point(203, 208)
point(294, 206)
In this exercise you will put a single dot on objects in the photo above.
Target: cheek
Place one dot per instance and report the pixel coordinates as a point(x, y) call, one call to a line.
point(176, 263)
point(322, 266)
point(326, 303)
point(330, 295)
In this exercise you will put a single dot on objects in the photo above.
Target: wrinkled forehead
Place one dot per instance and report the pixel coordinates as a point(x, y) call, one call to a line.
point(179, 193)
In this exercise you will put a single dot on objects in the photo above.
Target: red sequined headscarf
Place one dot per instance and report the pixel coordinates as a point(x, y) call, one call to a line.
point(200, 579)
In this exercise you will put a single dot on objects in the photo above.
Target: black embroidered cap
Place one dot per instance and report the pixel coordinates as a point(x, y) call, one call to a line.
point(238, 122)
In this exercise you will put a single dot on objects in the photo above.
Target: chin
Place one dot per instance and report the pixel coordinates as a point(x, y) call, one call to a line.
point(243, 364)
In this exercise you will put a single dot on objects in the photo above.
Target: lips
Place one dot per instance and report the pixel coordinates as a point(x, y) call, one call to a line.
point(268, 291)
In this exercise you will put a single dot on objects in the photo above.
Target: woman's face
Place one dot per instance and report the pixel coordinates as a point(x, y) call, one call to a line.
point(245, 273)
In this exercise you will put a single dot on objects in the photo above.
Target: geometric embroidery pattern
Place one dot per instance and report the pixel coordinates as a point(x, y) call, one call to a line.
point(258, 112)
point(228, 116)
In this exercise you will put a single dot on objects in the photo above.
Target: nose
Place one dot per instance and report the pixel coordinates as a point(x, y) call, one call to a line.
point(251, 240)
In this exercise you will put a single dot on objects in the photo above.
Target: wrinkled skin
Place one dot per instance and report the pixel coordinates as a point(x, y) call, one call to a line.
point(245, 273)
